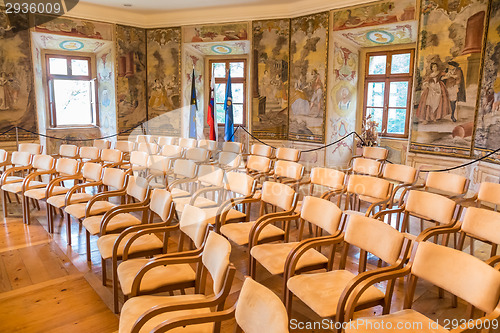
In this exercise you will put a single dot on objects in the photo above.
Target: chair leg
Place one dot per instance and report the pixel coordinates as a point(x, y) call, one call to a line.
point(68, 228)
point(494, 249)
point(252, 268)
point(103, 271)
point(288, 301)
point(4, 203)
point(115, 285)
point(87, 239)
point(25, 206)
point(49, 219)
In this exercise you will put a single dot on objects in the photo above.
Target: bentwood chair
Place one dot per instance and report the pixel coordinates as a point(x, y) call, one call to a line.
point(32, 148)
point(111, 158)
point(68, 151)
point(233, 147)
point(374, 153)
point(166, 140)
point(290, 173)
point(89, 154)
point(209, 145)
point(374, 191)
point(402, 176)
point(15, 170)
point(449, 185)
point(261, 150)
point(102, 144)
point(287, 154)
point(186, 143)
point(366, 166)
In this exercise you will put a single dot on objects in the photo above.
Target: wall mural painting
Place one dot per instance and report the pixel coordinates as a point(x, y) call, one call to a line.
point(73, 27)
point(447, 76)
point(131, 76)
point(488, 118)
point(399, 33)
point(17, 96)
point(374, 14)
point(164, 88)
point(222, 48)
point(106, 84)
point(271, 45)
point(308, 75)
point(215, 32)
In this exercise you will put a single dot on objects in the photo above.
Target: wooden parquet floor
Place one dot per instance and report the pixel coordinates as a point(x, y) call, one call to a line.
point(48, 286)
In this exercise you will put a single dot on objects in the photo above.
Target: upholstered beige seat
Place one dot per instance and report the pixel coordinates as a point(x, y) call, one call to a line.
point(112, 158)
point(288, 154)
point(89, 154)
point(323, 292)
point(376, 191)
point(59, 201)
point(31, 148)
point(366, 166)
point(375, 153)
point(288, 172)
point(214, 260)
point(102, 144)
point(118, 222)
point(478, 285)
point(68, 151)
point(449, 185)
point(261, 150)
point(183, 174)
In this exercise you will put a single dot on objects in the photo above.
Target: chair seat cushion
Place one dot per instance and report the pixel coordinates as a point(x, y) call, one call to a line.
point(78, 210)
point(178, 193)
point(144, 243)
point(39, 193)
point(321, 291)
point(120, 221)
point(240, 232)
point(200, 202)
point(18, 187)
point(412, 317)
point(155, 278)
point(233, 214)
point(273, 257)
point(58, 201)
point(136, 306)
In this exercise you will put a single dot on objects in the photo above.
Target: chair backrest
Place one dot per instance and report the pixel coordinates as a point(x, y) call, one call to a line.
point(430, 205)
point(158, 163)
point(261, 150)
point(459, 273)
point(331, 178)
point(124, 146)
point(210, 145)
point(166, 140)
point(447, 182)
point(161, 203)
point(366, 166)
point(279, 195)
point(92, 171)
point(210, 175)
point(233, 147)
point(194, 224)
point(19, 158)
point(482, 223)
point(43, 162)
point(240, 183)
point(91, 153)
point(171, 151)
point(67, 166)
point(375, 236)
point(288, 154)
point(229, 159)
point(258, 163)
point(197, 154)
point(322, 213)
point(111, 155)
point(137, 187)
point(150, 148)
point(139, 159)
point(489, 192)
point(215, 258)
point(185, 168)
point(143, 138)
point(3, 155)
point(402, 173)
point(187, 142)
point(102, 144)
point(259, 309)
point(369, 186)
point(375, 153)
point(68, 150)
point(32, 148)
point(114, 177)
point(289, 169)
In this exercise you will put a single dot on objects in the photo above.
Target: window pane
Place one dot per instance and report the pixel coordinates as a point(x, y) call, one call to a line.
point(238, 114)
point(220, 93)
point(79, 67)
point(219, 69)
point(377, 65)
point(220, 113)
point(237, 90)
point(398, 94)
point(376, 115)
point(58, 66)
point(375, 95)
point(237, 69)
point(400, 63)
point(396, 121)
point(72, 101)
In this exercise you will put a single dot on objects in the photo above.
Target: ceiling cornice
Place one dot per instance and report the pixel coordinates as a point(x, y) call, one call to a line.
point(207, 15)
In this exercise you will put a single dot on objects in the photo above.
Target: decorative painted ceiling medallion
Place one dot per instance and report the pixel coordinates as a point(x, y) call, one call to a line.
point(71, 45)
point(380, 36)
point(221, 49)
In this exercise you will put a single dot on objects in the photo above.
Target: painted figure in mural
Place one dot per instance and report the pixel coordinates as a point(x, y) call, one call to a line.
point(158, 98)
point(317, 95)
point(6, 93)
point(434, 102)
point(496, 93)
point(345, 99)
point(454, 80)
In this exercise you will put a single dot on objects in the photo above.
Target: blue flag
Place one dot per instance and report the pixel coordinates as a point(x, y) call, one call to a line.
point(228, 107)
point(192, 111)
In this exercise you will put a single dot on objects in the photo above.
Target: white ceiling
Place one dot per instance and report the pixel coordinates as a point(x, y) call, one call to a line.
point(171, 5)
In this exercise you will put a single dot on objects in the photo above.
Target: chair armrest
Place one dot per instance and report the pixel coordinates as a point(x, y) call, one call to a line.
point(135, 207)
point(141, 231)
point(375, 204)
point(261, 223)
point(225, 207)
point(102, 196)
point(438, 230)
point(29, 178)
point(493, 260)
point(11, 171)
point(58, 180)
point(384, 212)
point(78, 187)
point(181, 181)
point(204, 190)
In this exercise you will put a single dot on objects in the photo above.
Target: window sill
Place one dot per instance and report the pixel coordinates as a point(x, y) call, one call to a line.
point(392, 138)
point(72, 128)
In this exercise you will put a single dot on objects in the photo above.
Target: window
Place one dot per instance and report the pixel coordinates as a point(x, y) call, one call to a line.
point(220, 70)
point(71, 91)
point(388, 81)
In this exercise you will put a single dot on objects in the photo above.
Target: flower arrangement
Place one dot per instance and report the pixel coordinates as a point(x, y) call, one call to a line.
point(369, 133)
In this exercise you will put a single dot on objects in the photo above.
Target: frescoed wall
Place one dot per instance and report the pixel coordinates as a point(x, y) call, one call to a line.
point(448, 65)
point(131, 76)
point(216, 32)
point(105, 63)
point(392, 34)
point(270, 82)
point(73, 27)
point(308, 74)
